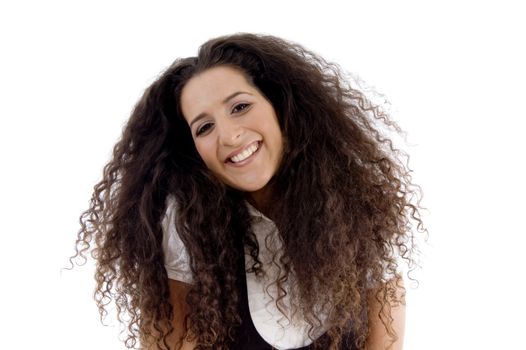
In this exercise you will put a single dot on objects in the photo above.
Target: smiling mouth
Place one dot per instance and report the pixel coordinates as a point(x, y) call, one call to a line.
point(249, 151)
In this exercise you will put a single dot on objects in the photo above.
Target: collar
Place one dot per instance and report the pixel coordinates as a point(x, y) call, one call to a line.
point(256, 213)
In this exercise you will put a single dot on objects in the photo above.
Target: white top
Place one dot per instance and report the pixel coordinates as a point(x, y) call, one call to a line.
point(271, 324)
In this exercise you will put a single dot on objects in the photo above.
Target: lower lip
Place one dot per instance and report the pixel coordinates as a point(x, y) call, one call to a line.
point(245, 161)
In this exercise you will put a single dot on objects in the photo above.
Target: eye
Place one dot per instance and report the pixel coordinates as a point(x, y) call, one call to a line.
point(203, 129)
point(240, 107)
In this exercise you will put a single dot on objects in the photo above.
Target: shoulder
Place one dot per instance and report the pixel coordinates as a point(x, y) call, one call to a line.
point(176, 259)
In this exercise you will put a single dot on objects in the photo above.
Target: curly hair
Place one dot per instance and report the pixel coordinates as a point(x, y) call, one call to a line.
point(344, 202)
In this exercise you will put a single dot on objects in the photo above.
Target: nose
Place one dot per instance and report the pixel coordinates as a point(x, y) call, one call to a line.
point(230, 132)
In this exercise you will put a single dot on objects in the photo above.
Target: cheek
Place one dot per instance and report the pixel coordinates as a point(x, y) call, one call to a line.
point(207, 153)
point(274, 132)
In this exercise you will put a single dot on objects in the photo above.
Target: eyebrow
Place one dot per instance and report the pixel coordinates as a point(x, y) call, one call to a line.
point(228, 98)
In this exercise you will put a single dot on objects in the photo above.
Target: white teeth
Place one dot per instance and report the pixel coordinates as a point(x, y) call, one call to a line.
point(245, 154)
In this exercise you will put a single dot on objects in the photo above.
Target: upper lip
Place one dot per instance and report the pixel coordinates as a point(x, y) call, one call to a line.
point(239, 150)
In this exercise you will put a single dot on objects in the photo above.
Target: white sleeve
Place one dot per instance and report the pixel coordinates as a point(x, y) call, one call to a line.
point(176, 259)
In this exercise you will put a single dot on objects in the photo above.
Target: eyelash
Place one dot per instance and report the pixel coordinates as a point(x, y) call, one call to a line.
point(245, 106)
point(203, 128)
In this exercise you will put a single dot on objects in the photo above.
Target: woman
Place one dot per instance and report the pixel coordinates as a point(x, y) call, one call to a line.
point(252, 204)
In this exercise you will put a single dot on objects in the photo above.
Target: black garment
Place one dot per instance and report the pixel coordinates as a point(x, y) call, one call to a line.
point(248, 337)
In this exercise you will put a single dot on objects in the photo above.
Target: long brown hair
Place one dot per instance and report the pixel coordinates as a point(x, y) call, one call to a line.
point(346, 201)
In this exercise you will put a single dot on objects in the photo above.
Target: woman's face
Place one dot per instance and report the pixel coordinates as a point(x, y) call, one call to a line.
point(234, 128)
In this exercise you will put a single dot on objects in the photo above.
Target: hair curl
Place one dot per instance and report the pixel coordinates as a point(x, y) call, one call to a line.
point(343, 183)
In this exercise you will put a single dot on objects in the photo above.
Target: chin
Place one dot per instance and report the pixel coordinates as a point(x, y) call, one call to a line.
point(253, 187)
point(250, 188)
point(248, 184)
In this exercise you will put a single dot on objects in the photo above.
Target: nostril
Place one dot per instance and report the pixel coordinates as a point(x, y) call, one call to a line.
point(231, 137)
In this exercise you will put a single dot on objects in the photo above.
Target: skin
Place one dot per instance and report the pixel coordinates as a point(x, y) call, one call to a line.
point(178, 293)
point(226, 115)
point(378, 339)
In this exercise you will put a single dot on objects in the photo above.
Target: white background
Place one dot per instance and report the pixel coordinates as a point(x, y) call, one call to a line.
point(454, 72)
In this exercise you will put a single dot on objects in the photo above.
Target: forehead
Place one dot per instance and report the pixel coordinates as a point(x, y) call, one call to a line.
point(209, 88)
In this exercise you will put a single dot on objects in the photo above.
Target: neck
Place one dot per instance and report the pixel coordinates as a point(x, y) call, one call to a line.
point(262, 201)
